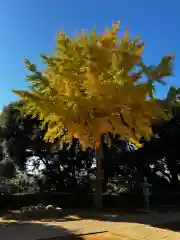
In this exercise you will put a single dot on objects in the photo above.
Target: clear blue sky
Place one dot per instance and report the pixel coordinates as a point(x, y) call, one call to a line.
point(28, 28)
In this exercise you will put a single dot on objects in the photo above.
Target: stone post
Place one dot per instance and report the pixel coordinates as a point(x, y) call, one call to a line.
point(146, 194)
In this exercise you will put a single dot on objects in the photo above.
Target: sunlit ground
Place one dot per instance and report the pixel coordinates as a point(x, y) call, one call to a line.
point(101, 230)
point(101, 236)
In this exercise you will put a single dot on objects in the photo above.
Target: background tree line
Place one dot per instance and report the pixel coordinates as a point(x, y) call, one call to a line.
point(55, 167)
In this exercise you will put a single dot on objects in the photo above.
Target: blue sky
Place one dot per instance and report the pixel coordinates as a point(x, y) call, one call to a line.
point(29, 28)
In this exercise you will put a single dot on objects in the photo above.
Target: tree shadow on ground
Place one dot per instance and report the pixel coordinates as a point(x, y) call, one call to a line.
point(164, 220)
point(173, 226)
point(37, 231)
point(168, 220)
point(30, 231)
point(39, 215)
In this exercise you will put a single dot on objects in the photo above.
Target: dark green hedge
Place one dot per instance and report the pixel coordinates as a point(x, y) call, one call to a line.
point(67, 200)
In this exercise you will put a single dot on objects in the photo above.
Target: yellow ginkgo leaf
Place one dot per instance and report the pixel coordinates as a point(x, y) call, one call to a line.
point(139, 51)
point(89, 82)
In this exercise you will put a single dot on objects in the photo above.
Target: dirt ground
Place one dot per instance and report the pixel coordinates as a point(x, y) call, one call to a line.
point(153, 226)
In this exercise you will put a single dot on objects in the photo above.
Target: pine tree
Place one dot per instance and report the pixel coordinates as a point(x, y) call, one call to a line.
point(95, 84)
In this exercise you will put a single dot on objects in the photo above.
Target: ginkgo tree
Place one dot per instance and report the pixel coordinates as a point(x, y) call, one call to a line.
point(92, 85)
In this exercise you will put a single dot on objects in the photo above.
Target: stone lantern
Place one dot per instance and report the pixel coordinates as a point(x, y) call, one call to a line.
point(146, 194)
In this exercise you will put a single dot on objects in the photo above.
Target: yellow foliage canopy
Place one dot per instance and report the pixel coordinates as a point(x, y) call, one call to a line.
point(93, 85)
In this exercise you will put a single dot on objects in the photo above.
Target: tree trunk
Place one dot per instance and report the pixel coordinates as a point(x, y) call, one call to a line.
point(99, 178)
